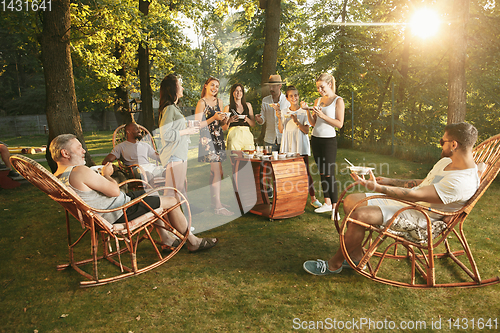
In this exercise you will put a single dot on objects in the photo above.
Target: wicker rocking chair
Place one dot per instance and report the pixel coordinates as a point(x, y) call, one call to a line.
point(127, 237)
point(394, 259)
point(136, 171)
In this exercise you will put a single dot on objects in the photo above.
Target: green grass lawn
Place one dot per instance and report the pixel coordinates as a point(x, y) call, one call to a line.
point(252, 281)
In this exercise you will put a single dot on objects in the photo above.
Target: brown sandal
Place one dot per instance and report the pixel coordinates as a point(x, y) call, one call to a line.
point(205, 244)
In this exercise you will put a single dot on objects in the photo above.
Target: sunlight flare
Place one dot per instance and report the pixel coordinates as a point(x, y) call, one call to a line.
point(425, 23)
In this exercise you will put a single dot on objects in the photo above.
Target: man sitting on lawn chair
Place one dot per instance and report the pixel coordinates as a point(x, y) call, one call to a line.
point(448, 186)
point(102, 192)
point(135, 152)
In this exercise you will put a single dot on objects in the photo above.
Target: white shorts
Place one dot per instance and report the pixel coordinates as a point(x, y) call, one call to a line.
point(410, 224)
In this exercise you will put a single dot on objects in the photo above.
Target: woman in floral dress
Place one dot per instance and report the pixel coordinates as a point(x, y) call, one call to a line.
point(212, 148)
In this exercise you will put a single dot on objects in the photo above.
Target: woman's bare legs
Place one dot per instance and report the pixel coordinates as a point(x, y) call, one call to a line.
point(215, 178)
point(176, 177)
point(179, 222)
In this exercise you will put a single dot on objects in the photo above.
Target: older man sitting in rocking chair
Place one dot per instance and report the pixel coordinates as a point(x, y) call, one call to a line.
point(102, 192)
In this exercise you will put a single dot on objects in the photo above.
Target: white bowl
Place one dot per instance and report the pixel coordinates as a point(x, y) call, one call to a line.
point(247, 155)
point(281, 156)
point(360, 170)
point(290, 154)
point(241, 116)
point(97, 168)
point(265, 157)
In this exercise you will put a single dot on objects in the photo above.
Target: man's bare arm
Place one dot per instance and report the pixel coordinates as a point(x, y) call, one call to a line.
point(108, 158)
point(425, 193)
point(407, 183)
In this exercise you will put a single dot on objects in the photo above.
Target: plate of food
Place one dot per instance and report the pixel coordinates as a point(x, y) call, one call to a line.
point(360, 170)
point(245, 155)
point(97, 168)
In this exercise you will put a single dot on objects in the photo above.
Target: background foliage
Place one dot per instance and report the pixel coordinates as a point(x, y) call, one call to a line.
point(225, 39)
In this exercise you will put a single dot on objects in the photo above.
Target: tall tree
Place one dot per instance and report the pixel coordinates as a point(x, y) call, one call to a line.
point(144, 76)
point(62, 111)
point(121, 106)
point(272, 37)
point(457, 83)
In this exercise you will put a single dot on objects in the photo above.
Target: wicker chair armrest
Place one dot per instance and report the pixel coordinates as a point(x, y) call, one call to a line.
point(411, 203)
point(339, 201)
point(143, 182)
point(411, 206)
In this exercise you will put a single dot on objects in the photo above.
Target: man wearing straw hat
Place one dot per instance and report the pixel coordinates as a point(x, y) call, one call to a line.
point(271, 111)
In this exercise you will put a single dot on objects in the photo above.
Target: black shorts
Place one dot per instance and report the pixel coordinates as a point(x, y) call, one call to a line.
point(139, 208)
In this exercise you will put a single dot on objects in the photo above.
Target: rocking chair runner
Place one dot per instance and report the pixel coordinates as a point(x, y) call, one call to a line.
point(387, 255)
point(129, 234)
point(136, 171)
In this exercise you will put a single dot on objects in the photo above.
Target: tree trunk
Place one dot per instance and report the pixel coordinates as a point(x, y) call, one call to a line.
point(341, 73)
point(270, 56)
point(61, 108)
point(405, 62)
point(145, 78)
point(272, 38)
point(457, 83)
point(121, 106)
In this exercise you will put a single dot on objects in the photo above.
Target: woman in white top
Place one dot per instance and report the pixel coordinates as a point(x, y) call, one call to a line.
point(326, 115)
point(294, 126)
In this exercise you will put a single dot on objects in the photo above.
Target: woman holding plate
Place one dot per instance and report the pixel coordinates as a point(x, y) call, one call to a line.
point(294, 126)
point(212, 148)
point(174, 133)
point(241, 118)
point(326, 115)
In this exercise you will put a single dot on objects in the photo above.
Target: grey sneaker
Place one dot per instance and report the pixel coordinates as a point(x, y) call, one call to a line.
point(319, 267)
point(3, 167)
point(347, 266)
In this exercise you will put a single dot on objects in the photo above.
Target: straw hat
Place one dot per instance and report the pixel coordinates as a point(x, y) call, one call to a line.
point(274, 79)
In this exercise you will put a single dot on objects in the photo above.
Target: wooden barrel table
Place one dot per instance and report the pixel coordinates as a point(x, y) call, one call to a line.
point(275, 188)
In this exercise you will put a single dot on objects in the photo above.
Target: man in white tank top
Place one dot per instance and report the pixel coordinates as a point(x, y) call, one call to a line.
point(68, 153)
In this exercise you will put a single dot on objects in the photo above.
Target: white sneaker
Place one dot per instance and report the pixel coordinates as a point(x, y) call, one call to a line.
point(324, 209)
point(333, 215)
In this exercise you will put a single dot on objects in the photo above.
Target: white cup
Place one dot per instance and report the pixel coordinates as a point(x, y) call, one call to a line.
point(275, 155)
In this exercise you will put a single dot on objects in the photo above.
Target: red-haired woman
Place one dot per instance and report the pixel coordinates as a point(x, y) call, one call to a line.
point(212, 148)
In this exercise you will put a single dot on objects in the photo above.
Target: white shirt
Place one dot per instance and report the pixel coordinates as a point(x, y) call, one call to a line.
point(293, 139)
point(454, 187)
point(269, 114)
point(134, 153)
point(322, 129)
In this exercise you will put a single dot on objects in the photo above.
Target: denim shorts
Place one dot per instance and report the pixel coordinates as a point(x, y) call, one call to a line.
point(174, 158)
